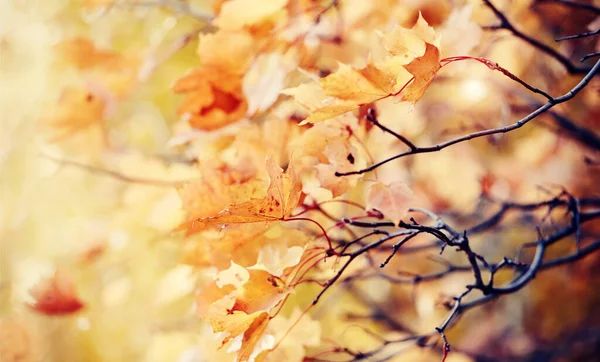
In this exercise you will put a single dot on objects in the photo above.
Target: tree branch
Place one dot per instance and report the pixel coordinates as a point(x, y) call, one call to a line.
point(506, 24)
point(518, 124)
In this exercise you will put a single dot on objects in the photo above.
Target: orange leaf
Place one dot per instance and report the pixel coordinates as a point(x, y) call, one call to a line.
point(83, 53)
point(259, 16)
point(242, 305)
point(413, 61)
point(228, 51)
point(282, 196)
point(243, 244)
point(252, 336)
point(77, 110)
point(424, 70)
point(56, 296)
point(116, 73)
point(212, 99)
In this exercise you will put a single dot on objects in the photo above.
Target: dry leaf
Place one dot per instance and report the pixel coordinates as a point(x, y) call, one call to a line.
point(265, 79)
point(460, 34)
point(282, 196)
point(212, 99)
point(77, 110)
point(407, 72)
point(259, 16)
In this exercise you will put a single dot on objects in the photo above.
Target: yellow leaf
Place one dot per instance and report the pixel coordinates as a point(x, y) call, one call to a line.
point(283, 195)
point(259, 15)
point(407, 72)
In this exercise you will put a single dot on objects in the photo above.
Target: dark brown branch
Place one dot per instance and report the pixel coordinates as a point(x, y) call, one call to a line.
point(577, 36)
point(574, 4)
point(477, 264)
point(506, 24)
point(588, 56)
point(518, 124)
point(371, 117)
point(354, 255)
point(585, 136)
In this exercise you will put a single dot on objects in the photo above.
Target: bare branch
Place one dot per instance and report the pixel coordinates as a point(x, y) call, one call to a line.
point(574, 4)
point(506, 24)
point(518, 124)
point(577, 36)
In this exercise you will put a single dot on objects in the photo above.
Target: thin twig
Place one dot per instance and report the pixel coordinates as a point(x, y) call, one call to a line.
point(577, 36)
point(574, 4)
point(506, 24)
point(115, 174)
point(518, 124)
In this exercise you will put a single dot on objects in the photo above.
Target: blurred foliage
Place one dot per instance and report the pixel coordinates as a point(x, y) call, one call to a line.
point(132, 129)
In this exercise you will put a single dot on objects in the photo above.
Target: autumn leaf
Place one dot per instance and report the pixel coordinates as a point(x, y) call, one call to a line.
point(392, 200)
point(228, 51)
point(238, 303)
point(327, 148)
point(407, 72)
point(258, 16)
point(212, 99)
point(249, 291)
point(276, 258)
point(295, 333)
point(265, 79)
point(116, 73)
point(460, 34)
point(56, 295)
point(271, 247)
point(78, 108)
point(213, 91)
point(282, 196)
point(251, 338)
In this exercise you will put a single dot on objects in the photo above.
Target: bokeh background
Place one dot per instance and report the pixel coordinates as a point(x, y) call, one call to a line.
point(92, 150)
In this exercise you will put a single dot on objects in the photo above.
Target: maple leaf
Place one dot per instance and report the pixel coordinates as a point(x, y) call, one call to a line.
point(275, 259)
point(228, 51)
point(392, 200)
point(78, 108)
point(282, 196)
point(460, 34)
point(212, 193)
point(56, 296)
point(239, 302)
point(259, 16)
point(326, 148)
point(212, 99)
point(83, 54)
point(272, 247)
point(407, 72)
point(295, 332)
point(213, 91)
point(116, 73)
point(265, 79)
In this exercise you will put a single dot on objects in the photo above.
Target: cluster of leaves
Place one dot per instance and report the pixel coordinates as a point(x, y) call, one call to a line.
point(267, 187)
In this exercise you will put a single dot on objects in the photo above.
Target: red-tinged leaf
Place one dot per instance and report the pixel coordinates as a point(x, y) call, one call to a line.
point(56, 296)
